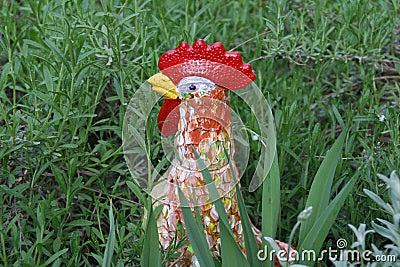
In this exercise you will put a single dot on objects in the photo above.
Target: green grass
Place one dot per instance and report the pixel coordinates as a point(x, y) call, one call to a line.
point(69, 69)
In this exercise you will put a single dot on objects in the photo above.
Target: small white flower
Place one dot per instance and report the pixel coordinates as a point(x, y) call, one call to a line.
point(254, 137)
point(381, 118)
point(305, 214)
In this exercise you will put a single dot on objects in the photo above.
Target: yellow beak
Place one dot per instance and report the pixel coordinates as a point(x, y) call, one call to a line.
point(163, 85)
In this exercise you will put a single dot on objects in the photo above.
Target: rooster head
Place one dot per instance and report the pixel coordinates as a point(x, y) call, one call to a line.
point(189, 70)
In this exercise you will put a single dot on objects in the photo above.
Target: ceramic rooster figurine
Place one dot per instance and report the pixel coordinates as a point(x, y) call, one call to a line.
point(195, 82)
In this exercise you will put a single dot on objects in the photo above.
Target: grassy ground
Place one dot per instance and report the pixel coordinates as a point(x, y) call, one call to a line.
point(69, 68)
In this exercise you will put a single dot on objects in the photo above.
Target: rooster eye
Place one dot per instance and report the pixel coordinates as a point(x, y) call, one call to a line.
point(194, 84)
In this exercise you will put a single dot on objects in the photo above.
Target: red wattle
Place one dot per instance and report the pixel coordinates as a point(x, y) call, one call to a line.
point(168, 118)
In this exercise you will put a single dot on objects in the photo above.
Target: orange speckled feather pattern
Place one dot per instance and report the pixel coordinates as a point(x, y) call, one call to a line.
point(205, 125)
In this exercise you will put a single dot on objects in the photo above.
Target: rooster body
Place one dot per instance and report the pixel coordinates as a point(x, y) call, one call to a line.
point(199, 129)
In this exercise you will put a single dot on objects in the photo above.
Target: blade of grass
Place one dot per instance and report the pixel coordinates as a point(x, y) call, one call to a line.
point(271, 200)
point(108, 253)
point(54, 257)
point(195, 232)
point(318, 232)
point(271, 205)
point(249, 238)
point(212, 190)
point(230, 252)
point(320, 191)
point(151, 253)
point(197, 212)
point(137, 191)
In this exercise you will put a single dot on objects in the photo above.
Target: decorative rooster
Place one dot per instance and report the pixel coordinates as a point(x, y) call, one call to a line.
point(195, 82)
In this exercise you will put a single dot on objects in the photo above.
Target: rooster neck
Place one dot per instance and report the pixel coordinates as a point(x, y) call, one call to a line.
point(205, 125)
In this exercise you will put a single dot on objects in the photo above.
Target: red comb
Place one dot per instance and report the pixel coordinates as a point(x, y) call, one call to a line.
point(209, 61)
